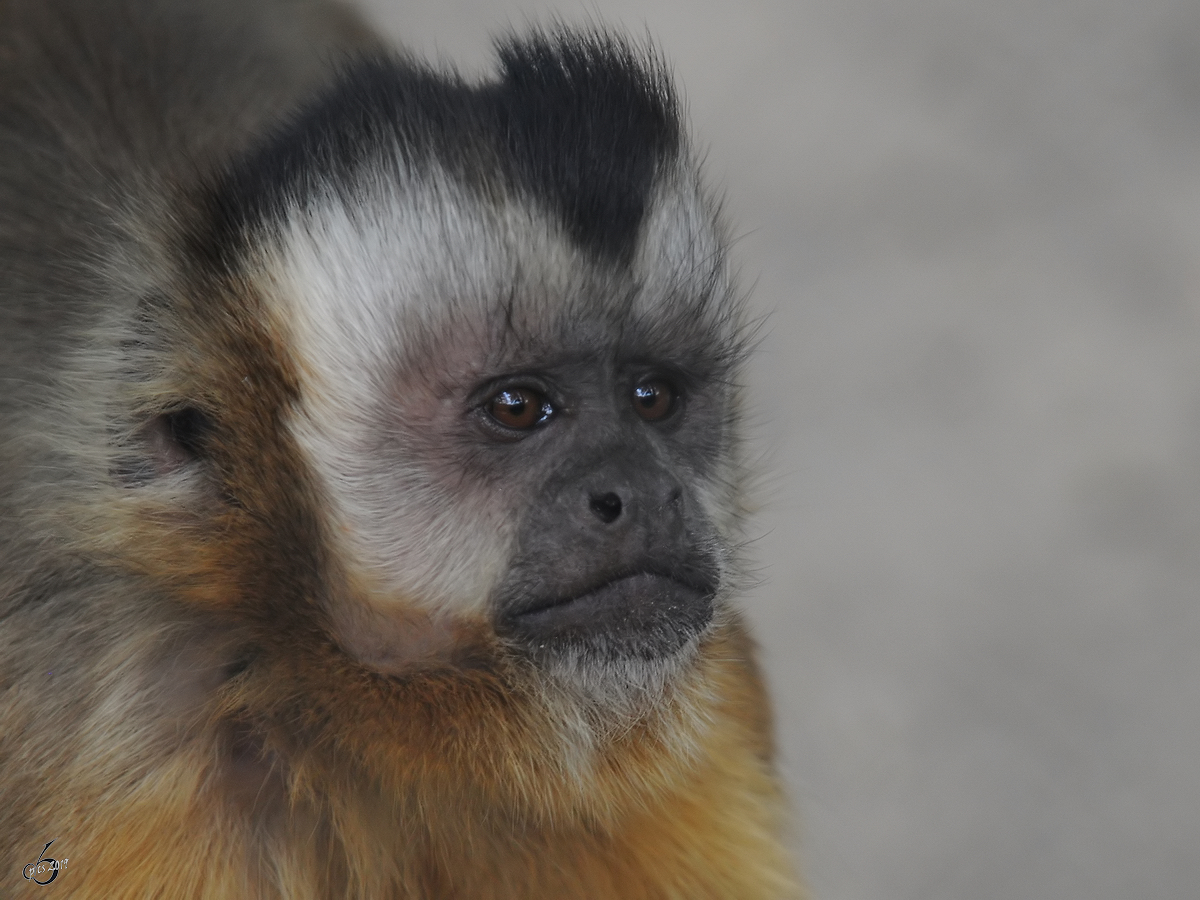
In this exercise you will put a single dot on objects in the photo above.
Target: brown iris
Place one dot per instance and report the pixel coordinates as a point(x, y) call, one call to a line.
point(519, 408)
point(653, 400)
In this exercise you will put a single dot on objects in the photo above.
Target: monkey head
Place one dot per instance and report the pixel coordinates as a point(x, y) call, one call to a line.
point(444, 406)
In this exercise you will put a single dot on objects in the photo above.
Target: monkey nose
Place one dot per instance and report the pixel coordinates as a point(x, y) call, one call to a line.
point(607, 506)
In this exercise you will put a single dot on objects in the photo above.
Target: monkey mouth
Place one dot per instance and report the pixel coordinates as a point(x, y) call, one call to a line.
point(644, 614)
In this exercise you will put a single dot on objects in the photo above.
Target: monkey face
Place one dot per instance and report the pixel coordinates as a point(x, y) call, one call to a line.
point(509, 433)
point(613, 557)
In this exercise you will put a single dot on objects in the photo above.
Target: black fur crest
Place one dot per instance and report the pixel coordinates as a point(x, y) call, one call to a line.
point(578, 123)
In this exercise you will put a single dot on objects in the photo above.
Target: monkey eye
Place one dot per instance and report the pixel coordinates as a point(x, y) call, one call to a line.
point(519, 408)
point(654, 400)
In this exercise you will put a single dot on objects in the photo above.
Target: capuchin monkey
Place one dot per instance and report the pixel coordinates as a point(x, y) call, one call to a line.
point(371, 486)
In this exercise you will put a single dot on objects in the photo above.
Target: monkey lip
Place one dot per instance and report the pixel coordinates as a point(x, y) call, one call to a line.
point(643, 612)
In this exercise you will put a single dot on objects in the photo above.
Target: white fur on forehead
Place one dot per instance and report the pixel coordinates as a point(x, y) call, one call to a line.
point(681, 244)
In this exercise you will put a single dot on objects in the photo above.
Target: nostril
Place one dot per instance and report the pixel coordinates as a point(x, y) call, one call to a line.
point(607, 507)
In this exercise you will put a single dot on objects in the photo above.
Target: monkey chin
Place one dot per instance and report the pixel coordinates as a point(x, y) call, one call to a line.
point(618, 644)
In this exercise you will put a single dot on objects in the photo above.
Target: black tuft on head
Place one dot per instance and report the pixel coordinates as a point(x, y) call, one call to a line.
point(380, 109)
point(586, 123)
point(579, 124)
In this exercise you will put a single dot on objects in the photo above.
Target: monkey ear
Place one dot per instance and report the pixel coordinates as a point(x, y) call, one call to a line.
point(166, 444)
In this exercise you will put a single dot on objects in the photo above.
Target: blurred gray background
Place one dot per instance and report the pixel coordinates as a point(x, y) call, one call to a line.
point(975, 226)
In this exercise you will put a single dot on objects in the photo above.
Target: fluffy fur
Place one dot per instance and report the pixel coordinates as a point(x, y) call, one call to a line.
point(253, 553)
